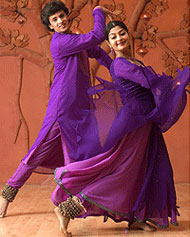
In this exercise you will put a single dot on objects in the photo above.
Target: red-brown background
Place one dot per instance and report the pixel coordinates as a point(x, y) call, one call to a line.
point(35, 87)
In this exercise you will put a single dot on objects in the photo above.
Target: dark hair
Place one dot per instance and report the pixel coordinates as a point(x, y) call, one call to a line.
point(50, 9)
point(111, 25)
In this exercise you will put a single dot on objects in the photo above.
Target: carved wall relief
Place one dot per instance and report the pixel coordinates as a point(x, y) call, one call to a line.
point(14, 43)
point(13, 10)
point(148, 36)
point(144, 36)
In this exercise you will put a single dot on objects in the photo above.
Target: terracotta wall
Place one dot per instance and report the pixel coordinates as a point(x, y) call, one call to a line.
point(26, 69)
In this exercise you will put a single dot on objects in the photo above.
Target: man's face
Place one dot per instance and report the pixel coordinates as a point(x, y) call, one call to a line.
point(59, 22)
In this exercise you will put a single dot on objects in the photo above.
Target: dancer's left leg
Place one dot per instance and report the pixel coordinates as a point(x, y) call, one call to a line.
point(67, 210)
point(63, 222)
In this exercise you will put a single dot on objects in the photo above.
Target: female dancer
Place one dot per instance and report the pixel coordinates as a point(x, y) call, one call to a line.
point(69, 132)
point(133, 179)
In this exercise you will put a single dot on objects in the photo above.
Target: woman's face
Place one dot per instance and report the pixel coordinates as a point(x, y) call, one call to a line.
point(118, 39)
point(59, 22)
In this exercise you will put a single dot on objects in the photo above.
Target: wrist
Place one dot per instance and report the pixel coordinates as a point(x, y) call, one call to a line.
point(97, 10)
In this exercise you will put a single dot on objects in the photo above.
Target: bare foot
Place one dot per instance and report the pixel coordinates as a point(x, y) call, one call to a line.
point(3, 206)
point(63, 221)
point(141, 226)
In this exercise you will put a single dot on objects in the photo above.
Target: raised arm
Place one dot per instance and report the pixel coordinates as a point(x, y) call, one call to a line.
point(100, 55)
point(68, 44)
point(130, 71)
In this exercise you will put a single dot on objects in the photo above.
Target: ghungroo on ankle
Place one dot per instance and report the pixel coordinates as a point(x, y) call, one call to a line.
point(9, 193)
point(72, 207)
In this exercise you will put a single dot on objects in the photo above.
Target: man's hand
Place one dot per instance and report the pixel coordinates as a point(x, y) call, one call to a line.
point(108, 13)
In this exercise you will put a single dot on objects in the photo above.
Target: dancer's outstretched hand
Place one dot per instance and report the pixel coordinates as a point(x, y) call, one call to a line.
point(108, 13)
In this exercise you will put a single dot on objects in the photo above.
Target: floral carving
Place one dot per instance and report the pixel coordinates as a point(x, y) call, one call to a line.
point(148, 33)
point(181, 57)
point(170, 64)
point(13, 39)
point(185, 23)
point(118, 11)
point(156, 7)
point(12, 9)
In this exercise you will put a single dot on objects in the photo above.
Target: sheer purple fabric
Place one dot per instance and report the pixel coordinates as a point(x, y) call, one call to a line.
point(145, 95)
point(132, 179)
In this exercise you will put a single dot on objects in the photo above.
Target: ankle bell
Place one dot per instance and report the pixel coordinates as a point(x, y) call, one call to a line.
point(72, 207)
point(9, 193)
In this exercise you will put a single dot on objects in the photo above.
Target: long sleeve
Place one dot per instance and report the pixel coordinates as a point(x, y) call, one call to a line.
point(130, 71)
point(100, 55)
point(67, 44)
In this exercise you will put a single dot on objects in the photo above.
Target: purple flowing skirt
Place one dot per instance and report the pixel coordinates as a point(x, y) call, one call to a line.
point(133, 180)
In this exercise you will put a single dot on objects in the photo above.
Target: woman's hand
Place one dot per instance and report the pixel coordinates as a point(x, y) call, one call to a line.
point(107, 12)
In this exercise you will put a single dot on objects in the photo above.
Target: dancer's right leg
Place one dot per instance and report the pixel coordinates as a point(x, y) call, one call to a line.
point(10, 190)
point(3, 206)
point(50, 147)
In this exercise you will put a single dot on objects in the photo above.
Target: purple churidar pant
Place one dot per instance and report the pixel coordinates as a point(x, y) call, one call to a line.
point(69, 130)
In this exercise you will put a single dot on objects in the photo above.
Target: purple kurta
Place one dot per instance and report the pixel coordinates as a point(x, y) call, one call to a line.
point(69, 131)
point(133, 178)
